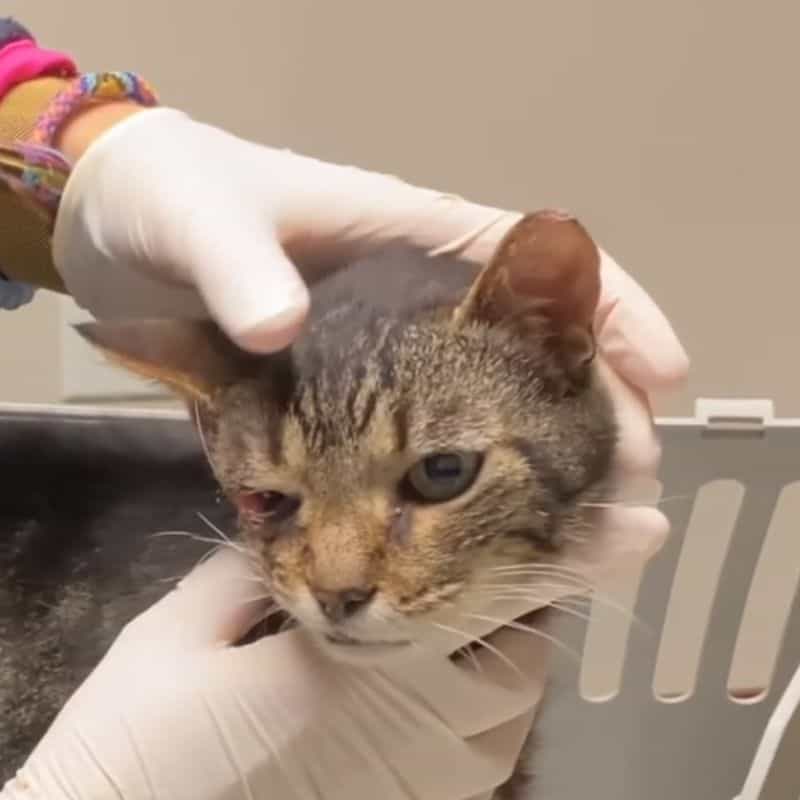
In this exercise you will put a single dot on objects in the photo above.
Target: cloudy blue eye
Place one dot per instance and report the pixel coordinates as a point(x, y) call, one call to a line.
point(441, 476)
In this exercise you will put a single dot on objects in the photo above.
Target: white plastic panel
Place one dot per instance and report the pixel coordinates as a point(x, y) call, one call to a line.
point(613, 616)
point(679, 703)
point(769, 602)
point(694, 588)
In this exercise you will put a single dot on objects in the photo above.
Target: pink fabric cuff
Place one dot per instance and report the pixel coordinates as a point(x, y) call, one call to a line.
point(24, 60)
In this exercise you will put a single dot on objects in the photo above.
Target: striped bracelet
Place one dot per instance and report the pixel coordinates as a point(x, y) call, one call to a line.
point(91, 87)
point(38, 172)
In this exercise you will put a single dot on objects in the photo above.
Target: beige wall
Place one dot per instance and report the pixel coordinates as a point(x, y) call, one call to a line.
point(671, 128)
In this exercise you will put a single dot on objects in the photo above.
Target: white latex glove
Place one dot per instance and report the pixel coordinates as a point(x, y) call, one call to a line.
point(160, 199)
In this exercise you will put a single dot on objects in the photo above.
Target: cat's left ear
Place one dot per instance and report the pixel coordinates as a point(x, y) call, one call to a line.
point(191, 358)
point(543, 281)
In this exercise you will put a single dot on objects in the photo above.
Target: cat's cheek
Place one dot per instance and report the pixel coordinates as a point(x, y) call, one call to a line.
point(284, 561)
point(400, 524)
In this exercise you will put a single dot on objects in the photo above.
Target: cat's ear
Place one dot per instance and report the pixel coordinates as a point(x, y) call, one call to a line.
point(191, 358)
point(543, 280)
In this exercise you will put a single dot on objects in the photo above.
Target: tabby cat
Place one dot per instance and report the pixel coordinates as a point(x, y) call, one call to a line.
point(433, 425)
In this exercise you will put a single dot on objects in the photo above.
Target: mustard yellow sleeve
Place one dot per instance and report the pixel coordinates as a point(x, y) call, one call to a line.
point(25, 252)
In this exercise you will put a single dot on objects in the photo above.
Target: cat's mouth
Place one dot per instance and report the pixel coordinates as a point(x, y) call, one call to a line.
point(343, 640)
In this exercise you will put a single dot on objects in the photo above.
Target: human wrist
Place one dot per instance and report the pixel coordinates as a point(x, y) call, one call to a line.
point(83, 110)
point(89, 124)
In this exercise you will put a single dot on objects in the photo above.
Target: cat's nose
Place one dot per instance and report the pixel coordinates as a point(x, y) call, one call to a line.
point(339, 605)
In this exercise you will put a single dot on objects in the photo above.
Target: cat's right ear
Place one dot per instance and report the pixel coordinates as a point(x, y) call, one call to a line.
point(544, 281)
point(191, 358)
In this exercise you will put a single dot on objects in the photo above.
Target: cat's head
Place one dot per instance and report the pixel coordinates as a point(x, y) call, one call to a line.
point(387, 482)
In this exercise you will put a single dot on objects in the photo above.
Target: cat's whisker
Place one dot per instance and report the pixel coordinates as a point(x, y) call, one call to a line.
point(557, 591)
point(633, 503)
point(394, 626)
point(537, 600)
point(546, 592)
point(567, 579)
point(539, 565)
point(519, 626)
point(470, 652)
point(467, 651)
point(544, 602)
point(560, 605)
point(534, 584)
point(222, 535)
point(548, 603)
point(257, 579)
point(217, 543)
point(203, 558)
point(287, 624)
point(590, 597)
point(215, 548)
point(256, 598)
point(482, 643)
point(557, 588)
point(528, 578)
point(386, 621)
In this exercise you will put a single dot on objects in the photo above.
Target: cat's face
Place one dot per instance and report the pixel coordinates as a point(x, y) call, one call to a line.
point(384, 486)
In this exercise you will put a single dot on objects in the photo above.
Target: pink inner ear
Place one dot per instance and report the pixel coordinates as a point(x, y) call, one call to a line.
point(548, 256)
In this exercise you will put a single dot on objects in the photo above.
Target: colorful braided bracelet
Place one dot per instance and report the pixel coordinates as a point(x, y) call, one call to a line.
point(21, 59)
point(86, 89)
point(38, 172)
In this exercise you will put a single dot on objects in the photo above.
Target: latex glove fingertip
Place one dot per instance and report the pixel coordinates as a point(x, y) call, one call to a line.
point(638, 450)
point(629, 536)
point(254, 291)
point(216, 603)
point(635, 336)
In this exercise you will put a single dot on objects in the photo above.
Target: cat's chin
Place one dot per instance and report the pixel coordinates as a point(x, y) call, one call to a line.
point(363, 653)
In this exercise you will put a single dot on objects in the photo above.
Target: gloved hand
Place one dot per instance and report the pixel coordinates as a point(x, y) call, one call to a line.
point(173, 712)
point(161, 199)
point(164, 215)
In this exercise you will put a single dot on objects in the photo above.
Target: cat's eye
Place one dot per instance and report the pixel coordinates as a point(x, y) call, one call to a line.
point(275, 506)
point(441, 476)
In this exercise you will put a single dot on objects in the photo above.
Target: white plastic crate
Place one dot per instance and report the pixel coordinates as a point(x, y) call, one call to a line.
point(697, 699)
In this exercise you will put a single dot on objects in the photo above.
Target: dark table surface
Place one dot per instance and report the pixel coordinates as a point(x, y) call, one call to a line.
point(80, 501)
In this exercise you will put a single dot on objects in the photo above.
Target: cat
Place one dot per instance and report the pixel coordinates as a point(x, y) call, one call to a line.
point(433, 425)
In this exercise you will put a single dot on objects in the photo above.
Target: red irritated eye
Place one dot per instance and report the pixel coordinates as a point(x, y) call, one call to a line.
point(274, 506)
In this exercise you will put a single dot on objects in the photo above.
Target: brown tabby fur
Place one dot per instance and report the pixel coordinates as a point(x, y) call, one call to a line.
point(404, 356)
